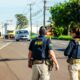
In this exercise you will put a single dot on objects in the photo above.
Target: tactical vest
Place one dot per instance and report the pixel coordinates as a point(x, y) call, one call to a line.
point(75, 53)
point(39, 48)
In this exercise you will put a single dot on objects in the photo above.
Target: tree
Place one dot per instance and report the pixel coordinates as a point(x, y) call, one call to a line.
point(58, 31)
point(22, 21)
point(66, 14)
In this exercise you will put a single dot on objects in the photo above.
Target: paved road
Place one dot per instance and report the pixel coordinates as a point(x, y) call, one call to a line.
point(13, 61)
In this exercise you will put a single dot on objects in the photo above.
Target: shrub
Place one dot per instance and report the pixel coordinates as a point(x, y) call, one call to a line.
point(65, 37)
point(33, 35)
point(59, 31)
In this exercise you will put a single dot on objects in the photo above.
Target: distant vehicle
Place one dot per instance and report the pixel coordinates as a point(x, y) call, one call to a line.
point(22, 35)
point(11, 34)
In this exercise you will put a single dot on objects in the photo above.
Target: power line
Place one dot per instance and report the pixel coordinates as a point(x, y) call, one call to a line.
point(38, 1)
point(36, 13)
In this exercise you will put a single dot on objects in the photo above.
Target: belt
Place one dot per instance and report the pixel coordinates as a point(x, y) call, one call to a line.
point(38, 61)
point(75, 61)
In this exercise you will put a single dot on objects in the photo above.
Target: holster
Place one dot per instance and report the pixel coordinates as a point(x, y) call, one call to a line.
point(30, 63)
point(50, 64)
point(73, 61)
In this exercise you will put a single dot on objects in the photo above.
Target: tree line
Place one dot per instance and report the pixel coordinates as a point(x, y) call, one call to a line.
point(65, 16)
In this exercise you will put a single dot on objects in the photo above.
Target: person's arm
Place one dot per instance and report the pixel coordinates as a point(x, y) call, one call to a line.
point(30, 50)
point(30, 55)
point(30, 59)
point(53, 57)
point(52, 54)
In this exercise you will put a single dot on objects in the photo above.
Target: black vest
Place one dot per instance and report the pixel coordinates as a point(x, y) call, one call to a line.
point(39, 51)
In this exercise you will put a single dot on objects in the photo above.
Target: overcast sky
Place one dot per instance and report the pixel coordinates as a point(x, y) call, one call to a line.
point(8, 8)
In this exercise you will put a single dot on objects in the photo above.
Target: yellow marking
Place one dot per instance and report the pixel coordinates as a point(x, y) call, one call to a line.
point(38, 43)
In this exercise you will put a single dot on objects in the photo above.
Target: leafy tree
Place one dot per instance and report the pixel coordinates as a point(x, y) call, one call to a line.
point(58, 31)
point(21, 21)
point(66, 14)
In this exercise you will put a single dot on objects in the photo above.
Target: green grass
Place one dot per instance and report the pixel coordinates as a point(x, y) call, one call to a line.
point(51, 37)
point(64, 37)
point(33, 35)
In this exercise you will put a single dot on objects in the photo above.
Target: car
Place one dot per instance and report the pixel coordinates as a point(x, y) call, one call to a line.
point(22, 35)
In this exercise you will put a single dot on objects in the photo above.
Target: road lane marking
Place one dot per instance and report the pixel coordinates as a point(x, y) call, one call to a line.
point(5, 45)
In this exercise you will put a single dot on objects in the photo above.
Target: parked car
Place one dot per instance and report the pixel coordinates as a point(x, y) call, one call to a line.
point(22, 35)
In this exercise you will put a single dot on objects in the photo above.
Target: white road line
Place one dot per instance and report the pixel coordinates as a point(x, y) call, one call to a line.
point(5, 45)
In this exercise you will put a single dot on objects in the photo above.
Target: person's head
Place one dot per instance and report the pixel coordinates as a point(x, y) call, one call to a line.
point(42, 30)
point(75, 32)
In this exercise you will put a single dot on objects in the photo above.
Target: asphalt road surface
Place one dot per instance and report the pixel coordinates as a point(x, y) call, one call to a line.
point(13, 60)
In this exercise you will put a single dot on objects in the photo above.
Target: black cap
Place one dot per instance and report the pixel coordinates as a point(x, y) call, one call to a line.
point(42, 30)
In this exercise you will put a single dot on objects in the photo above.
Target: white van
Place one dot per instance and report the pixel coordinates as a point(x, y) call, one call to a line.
point(22, 35)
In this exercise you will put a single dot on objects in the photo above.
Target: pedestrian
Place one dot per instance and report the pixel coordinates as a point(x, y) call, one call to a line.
point(73, 53)
point(42, 56)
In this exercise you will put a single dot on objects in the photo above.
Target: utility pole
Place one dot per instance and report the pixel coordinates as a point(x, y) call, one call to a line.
point(30, 18)
point(6, 32)
point(44, 12)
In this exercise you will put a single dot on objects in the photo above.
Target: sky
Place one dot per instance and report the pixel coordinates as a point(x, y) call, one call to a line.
point(8, 9)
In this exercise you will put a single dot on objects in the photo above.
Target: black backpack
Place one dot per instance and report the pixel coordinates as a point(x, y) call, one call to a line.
point(39, 47)
point(76, 51)
point(73, 50)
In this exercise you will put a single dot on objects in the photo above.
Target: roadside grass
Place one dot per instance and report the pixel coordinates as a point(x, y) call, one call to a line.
point(65, 37)
point(62, 37)
point(33, 35)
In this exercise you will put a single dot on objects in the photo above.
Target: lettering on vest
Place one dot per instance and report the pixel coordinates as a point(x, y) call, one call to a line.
point(38, 43)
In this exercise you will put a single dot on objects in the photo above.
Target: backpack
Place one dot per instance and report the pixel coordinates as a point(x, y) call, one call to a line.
point(77, 50)
point(73, 50)
point(39, 47)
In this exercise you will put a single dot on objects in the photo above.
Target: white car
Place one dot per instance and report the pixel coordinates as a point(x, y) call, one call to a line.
point(22, 35)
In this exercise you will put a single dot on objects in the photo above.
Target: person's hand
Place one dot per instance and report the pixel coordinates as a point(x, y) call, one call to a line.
point(30, 64)
point(57, 67)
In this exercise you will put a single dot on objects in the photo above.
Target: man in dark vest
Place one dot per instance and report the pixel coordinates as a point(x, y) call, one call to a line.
point(41, 54)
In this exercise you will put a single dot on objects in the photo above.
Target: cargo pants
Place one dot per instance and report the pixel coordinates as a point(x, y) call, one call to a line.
point(74, 70)
point(40, 72)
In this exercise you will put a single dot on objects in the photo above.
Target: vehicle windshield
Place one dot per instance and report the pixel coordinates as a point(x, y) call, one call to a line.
point(22, 32)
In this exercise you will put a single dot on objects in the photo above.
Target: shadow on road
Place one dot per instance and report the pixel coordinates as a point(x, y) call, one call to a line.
point(60, 49)
point(14, 59)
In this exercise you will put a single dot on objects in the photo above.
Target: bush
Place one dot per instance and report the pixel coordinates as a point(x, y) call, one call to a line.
point(33, 35)
point(65, 37)
point(51, 37)
point(59, 31)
